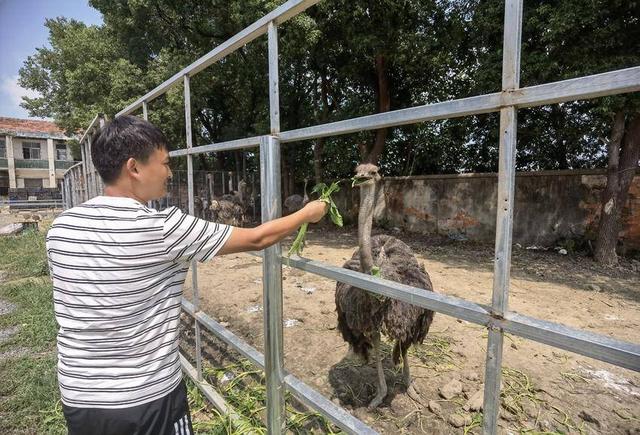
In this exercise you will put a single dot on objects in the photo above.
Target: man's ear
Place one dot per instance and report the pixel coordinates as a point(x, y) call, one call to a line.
point(132, 166)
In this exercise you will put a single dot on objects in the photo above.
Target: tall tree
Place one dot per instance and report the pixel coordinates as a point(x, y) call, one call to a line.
point(562, 40)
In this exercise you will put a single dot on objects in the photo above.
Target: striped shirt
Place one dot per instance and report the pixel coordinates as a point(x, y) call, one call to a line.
point(118, 269)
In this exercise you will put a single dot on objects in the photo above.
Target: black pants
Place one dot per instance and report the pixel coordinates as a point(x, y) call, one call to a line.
point(168, 415)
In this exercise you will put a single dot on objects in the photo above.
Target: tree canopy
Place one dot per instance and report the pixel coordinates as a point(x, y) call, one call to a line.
point(339, 60)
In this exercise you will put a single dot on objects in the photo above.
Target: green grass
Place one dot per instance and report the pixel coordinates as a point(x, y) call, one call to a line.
point(246, 393)
point(29, 395)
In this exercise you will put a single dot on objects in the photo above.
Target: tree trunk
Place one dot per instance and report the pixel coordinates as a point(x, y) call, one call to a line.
point(624, 151)
point(384, 104)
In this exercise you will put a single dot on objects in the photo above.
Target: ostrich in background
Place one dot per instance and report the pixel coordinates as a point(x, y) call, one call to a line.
point(363, 316)
point(231, 207)
point(295, 202)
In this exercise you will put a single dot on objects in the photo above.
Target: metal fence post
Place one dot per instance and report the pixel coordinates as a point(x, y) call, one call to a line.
point(194, 266)
point(271, 266)
point(504, 213)
point(272, 287)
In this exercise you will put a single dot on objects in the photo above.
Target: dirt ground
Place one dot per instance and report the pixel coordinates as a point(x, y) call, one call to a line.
point(544, 389)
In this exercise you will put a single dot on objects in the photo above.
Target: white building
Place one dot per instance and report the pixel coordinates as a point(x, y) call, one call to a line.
point(32, 154)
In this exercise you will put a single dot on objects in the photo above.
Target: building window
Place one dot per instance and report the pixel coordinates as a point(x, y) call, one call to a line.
point(61, 151)
point(3, 149)
point(31, 150)
point(33, 183)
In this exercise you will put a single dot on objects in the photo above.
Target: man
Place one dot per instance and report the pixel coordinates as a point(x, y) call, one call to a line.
point(118, 269)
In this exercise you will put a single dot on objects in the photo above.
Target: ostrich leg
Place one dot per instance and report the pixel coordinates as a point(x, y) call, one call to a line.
point(411, 390)
point(382, 383)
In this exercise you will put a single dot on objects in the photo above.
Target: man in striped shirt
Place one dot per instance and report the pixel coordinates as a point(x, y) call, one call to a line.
point(118, 268)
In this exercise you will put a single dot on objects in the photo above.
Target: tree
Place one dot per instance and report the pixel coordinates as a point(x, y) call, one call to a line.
point(563, 40)
point(83, 73)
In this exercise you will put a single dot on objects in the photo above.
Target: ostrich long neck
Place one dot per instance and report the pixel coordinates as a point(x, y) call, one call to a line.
point(365, 220)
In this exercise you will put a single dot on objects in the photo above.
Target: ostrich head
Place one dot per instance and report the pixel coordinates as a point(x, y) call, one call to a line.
point(366, 175)
point(366, 179)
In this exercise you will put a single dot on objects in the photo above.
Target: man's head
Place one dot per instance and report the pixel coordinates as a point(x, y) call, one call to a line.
point(132, 153)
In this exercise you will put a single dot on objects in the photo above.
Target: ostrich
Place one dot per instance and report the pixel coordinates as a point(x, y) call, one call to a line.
point(295, 202)
point(362, 316)
point(227, 212)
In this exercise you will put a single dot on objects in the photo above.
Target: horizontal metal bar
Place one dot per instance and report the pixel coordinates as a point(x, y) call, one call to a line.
point(299, 389)
point(216, 399)
point(596, 346)
point(227, 336)
point(258, 28)
point(615, 82)
point(236, 144)
point(92, 125)
point(582, 88)
point(448, 305)
point(336, 414)
point(448, 109)
point(585, 343)
point(77, 165)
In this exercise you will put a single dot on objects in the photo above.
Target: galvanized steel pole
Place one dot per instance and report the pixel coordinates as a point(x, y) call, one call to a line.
point(504, 213)
point(194, 266)
point(271, 266)
point(272, 287)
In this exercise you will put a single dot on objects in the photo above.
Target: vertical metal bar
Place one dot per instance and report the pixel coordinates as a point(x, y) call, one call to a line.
point(145, 116)
point(271, 266)
point(272, 287)
point(504, 213)
point(92, 169)
point(85, 171)
point(194, 267)
point(274, 97)
point(101, 122)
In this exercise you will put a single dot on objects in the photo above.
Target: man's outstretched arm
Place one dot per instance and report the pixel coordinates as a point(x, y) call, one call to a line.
point(269, 233)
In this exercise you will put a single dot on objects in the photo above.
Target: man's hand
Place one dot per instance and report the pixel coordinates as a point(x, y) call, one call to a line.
point(315, 210)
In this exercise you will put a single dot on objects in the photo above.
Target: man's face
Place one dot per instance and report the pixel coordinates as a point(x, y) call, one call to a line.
point(154, 175)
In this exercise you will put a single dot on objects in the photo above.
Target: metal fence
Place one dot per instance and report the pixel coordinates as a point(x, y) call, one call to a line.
point(497, 318)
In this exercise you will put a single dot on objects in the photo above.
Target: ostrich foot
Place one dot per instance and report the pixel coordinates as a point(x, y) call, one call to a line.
point(376, 401)
point(414, 393)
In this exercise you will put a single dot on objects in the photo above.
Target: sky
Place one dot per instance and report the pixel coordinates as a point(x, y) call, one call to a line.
point(22, 30)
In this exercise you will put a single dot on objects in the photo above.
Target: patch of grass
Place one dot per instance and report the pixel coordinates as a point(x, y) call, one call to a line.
point(30, 397)
point(33, 315)
point(31, 400)
point(244, 389)
point(435, 353)
point(24, 255)
point(519, 389)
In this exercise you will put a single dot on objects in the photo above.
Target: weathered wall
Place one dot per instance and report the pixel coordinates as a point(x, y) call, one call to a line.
point(549, 205)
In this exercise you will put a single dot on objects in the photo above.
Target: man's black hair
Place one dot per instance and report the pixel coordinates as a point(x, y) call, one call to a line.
point(123, 138)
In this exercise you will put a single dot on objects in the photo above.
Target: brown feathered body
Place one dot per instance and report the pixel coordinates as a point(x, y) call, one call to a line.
point(227, 212)
point(361, 313)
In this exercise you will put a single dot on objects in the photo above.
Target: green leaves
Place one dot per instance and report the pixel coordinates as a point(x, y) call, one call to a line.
point(325, 195)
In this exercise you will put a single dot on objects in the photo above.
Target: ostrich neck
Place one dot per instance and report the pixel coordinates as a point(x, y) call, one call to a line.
point(365, 220)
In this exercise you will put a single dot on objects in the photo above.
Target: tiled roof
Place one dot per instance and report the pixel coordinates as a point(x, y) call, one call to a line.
point(26, 126)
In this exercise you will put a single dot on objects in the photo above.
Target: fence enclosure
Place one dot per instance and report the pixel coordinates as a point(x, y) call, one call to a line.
point(83, 183)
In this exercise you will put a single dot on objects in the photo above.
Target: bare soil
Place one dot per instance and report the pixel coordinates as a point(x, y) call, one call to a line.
point(544, 389)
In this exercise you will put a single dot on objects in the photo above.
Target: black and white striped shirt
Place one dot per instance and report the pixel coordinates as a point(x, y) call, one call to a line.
point(118, 269)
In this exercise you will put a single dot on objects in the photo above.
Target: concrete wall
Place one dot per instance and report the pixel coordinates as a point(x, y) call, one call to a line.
point(549, 205)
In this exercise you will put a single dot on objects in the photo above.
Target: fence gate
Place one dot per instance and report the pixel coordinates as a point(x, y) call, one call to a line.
point(81, 183)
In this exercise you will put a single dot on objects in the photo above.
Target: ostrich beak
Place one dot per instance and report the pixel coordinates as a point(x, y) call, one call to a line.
point(359, 179)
